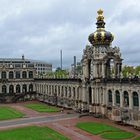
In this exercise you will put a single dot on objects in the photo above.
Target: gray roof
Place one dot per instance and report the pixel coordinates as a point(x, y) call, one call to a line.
point(23, 60)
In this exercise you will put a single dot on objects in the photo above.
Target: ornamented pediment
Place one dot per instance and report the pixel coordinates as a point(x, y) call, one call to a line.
point(88, 52)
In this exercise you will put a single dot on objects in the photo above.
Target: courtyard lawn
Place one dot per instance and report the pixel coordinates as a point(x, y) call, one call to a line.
point(9, 113)
point(31, 133)
point(137, 138)
point(40, 107)
point(118, 135)
point(96, 128)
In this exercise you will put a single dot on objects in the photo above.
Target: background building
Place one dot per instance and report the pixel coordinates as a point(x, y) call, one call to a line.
point(16, 80)
point(41, 67)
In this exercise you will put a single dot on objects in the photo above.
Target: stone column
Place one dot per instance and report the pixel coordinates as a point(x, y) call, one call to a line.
point(76, 94)
point(68, 92)
point(94, 70)
point(21, 88)
point(84, 93)
point(103, 70)
point(14, 88)
point(79, 93)
point(7, 88)
point(20, 74)
point(7, 74)
point(57, 91)
point(27, 74)
point(60, 94)
point(92, 93)
point(48, 89)
point(14, 74)
point(104, 101)
point(85, 69)
point(118, 74)
point(64, 91)
point(72, 97)
point(97, 96)
point(113, 98)
point(121, 99)
point(27, 87)
point(104, 97)
point(130, 100)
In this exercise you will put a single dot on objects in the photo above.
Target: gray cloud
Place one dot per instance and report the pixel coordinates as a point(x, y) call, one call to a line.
point(40, 28)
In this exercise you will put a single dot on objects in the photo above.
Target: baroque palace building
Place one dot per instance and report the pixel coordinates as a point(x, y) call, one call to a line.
point(102, 90)
point(16, 80)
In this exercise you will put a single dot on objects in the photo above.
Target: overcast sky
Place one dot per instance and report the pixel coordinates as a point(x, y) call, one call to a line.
point(39, 29)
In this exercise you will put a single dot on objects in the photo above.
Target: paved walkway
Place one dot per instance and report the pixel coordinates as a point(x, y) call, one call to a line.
point(61, 122)
point(74, 133)
point(54, 122)
point(36, 120)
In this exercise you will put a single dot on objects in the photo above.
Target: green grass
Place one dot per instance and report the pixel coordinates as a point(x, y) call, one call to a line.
point(31, 133)
point(40, 107)
point(96, 128)
point(118, 135)
point(9, 113)
point(106, 131)
point(137, 138)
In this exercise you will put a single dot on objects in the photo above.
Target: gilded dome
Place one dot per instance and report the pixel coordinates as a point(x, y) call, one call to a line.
point(100, 36)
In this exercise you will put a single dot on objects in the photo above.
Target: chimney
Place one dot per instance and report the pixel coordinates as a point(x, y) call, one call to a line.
point(23, 57)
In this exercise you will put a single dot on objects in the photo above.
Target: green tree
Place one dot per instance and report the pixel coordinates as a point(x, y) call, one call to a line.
point(128, 70)
point(61, 73)
point(137, 70)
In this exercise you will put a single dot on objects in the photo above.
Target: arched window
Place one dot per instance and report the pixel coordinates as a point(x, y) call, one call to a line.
point(31, 87)
point(24, 88)
point(78, 92)
point(11, 75)
point(110, 96)
point(74, 92)
point(30, 74)
point(90, 95)
point(62, 91)
point(117, 97)
point(55, 89)
point(135, 99)
point(49, 89)
point(126, 98)
point(24, 74)
point(17, 88)
point(3, 75)
point(65, 91)
point(18, 74)
point(4, 89)
point(11, 89)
